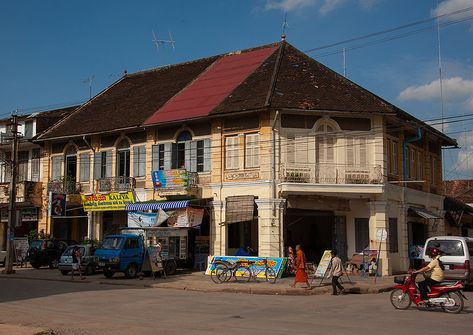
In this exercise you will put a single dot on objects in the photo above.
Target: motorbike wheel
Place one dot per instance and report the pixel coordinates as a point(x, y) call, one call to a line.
point(458, 303)
point(400, 300)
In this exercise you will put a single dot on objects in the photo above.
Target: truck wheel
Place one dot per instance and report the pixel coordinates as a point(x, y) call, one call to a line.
point(35, 265)
point(89, 269)
point(131, 271)
point(170, 267)
point(64, 272)
point(108, 273)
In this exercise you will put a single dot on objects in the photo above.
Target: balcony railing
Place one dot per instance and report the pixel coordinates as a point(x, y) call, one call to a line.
point(115, 184)
point(64, 187)
point(331, 173)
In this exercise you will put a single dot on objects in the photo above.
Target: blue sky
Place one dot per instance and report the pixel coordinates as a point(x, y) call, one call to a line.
point(49, 47)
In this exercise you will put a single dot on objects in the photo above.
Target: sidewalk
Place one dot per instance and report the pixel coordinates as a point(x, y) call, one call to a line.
point(197, 281)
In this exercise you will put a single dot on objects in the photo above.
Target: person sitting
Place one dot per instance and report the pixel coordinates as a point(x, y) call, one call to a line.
point(436, 268)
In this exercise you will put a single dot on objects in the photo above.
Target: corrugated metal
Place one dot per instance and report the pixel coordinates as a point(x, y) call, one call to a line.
point(206, 92)
point(424, 213)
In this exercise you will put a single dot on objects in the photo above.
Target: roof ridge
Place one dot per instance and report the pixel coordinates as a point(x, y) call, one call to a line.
point(218, 56)
point(277, 66)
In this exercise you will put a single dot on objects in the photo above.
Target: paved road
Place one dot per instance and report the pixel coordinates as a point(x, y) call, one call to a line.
point(88, 308)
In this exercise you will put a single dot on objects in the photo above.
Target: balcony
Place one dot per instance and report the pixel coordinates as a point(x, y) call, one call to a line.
point(331, 174)
point(64, 187)
point(27, 192)
point(114, 184)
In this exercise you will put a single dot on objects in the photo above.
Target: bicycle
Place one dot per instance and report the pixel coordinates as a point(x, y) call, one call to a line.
point(269, 273)
point(224, 271)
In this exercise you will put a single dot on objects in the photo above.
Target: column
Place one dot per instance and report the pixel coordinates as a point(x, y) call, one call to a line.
point(98, 225)
point(90, 226)
point(379, 220)
point(270, 224)
point(403, 237)
point(218, 230)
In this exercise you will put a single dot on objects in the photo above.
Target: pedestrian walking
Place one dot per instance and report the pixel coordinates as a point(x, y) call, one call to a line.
point(291, 261)
point(76, 261)
point(336, 271)
point(301, 274)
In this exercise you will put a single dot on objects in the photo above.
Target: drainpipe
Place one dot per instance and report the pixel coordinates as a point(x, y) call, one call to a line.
point(404, 151)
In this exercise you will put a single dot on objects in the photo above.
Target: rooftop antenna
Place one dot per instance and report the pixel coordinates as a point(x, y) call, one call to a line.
point(89, 81)
point(157, 42)
point(284, 27)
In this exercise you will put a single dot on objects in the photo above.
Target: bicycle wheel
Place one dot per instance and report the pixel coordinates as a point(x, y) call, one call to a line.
point(270, 275)
point(218, 274)
point(242, 273)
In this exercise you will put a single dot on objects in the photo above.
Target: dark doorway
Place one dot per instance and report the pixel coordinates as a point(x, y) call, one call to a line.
point(71, 168)
point(123, 163)
point(316, 231)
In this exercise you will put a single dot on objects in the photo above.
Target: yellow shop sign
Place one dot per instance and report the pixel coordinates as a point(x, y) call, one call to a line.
point(107, 202)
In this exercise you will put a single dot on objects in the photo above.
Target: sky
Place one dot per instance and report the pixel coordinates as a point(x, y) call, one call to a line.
point(49, 49)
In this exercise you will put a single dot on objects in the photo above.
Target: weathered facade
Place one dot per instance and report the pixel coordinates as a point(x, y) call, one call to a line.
point(281, 150)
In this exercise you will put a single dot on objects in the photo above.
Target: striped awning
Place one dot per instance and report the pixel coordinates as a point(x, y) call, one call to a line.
point(146, 206)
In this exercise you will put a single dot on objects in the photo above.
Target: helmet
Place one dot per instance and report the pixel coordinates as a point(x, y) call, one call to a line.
point(434, 252)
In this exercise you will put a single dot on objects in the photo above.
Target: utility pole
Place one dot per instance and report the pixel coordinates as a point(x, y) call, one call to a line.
point(12, 196)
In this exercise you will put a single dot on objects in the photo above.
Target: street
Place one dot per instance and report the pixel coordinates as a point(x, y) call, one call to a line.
point(91, 308)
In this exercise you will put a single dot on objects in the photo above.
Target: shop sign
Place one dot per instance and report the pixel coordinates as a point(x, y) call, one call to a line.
point(278, 264)
point(29, 215)
point(107, 202)
point(57, 204)
point(170, 179)
point(21, 246)
point(186, 217)
point(323, 264)
point(143, 220)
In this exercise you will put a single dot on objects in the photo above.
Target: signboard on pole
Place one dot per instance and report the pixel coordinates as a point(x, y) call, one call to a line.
point(57, 204)
point(21, 246)
point(381, 234)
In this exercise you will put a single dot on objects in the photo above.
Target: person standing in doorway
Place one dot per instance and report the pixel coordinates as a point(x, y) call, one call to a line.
point(301, 274)
point(76, 260)
point(336, 271)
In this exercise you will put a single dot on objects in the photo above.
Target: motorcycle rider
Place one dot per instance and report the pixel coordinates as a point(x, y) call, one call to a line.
point(436, 268)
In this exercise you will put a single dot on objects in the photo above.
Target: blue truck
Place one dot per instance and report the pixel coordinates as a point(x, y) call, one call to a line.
point(127, 252)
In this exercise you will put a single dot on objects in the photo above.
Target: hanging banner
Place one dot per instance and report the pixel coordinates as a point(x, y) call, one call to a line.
point(323, 264)
point(143, 220)
point(170, 179)
point(107, 202)
point(186, 217)
point(57, 204)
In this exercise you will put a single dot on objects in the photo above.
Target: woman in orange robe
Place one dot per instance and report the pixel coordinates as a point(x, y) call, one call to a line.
point(301, 275)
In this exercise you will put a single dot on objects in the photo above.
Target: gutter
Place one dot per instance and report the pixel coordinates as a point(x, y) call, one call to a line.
point(404, 151)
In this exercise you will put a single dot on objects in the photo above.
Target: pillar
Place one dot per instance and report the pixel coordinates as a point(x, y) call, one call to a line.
point(403, 237)
point(218, 230)
point(97, 218)
point(379, 220)
point(270, 241)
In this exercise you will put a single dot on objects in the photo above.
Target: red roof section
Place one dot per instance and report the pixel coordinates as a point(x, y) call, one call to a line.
point(208, 90)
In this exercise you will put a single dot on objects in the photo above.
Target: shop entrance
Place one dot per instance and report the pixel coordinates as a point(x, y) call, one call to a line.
point(315, 231)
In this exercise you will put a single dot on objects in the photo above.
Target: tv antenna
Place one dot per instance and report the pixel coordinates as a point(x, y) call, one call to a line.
point(284, 27)
point(157, 42)
point(89, 81)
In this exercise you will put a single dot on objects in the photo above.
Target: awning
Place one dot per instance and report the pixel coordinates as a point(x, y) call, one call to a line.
point(146, 206)
point(239, 208)
point(424, 213)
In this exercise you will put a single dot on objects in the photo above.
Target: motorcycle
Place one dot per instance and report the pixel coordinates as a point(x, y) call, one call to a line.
point(449, 297)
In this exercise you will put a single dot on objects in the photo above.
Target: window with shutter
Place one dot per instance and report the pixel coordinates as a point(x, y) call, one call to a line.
point(35, 164)
point(350, 152)
point(232, 148)
point(139, 161)
point(251, 150)
point(363, 151)
point(56, 168)
point(84, 167)
point(290, 150)
point(207, 154)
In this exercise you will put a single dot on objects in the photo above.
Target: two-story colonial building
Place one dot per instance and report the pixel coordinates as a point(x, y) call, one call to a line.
point(287, 150)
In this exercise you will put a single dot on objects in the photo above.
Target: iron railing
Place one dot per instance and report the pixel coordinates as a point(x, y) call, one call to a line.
point(115, 184)
point(329, 173)
point(64, 186)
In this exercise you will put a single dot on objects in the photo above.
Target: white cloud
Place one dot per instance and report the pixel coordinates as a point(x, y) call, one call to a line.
point(449, 6)
point(469, 103)
point(454, 88)
point(330, 5)
point(326, 6)
point(289, 5)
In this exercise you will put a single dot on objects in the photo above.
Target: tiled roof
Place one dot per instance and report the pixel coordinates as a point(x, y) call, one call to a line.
point(276, 76)
point(130, 101)
point(460, 190)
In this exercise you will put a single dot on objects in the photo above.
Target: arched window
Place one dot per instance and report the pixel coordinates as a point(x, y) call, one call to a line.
point(325, 141)
point(123, 158)
point(181, 149)
point(71, 163)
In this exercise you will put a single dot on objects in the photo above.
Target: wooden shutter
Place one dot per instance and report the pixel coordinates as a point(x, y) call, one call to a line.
point(207, 154)
point(350, 152)
point(108, 162)
point(97, 165)
point(192, 154)
point(167, 156)
point(363, 152)
point(155, 157)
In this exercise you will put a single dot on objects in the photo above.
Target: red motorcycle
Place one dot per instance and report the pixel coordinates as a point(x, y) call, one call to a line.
point(449, 297)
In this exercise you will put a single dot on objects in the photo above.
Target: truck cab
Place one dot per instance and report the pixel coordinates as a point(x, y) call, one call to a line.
point(121, 253)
